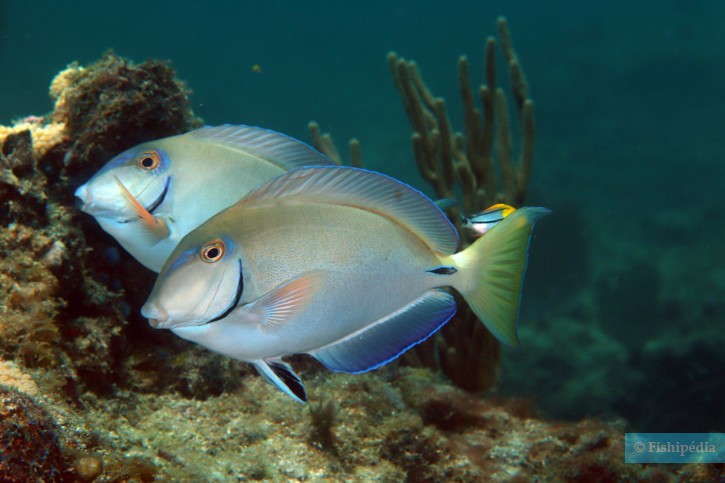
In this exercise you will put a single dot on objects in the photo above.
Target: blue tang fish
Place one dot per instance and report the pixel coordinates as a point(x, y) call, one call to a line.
point(150, 196)
point(349, 266)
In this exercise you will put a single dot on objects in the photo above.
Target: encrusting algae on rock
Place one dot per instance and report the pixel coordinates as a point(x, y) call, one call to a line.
point(98, 396)
point(29, 447)
point(63, 312)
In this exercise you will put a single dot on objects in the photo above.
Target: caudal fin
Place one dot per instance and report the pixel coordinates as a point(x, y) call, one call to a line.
point(493, 271)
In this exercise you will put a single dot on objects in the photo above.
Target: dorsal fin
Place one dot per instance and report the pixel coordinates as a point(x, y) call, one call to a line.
point(271, 146)
point(365, 190)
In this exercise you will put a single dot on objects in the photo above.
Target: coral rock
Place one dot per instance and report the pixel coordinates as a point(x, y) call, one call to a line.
point(29, 448)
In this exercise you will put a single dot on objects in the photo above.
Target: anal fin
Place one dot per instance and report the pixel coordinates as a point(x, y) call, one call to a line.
point(387, 338)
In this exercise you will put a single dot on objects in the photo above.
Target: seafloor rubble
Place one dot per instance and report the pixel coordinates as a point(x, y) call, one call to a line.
point(89, 393)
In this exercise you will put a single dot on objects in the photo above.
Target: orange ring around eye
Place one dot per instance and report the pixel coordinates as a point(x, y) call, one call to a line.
point(148, 160)
point(212, 251)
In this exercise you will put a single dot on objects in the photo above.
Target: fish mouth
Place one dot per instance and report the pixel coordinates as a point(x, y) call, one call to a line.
point(235, 302)
point(85, 202)
point(156, 315)
point(84, 199)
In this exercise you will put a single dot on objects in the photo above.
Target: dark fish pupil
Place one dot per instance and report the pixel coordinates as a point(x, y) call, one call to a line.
point(147, 162)
point(212, 253)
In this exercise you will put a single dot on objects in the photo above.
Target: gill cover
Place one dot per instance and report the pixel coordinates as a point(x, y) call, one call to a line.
point(200, 284)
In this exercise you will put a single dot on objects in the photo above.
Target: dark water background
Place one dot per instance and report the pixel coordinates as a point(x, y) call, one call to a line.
point(624, 306)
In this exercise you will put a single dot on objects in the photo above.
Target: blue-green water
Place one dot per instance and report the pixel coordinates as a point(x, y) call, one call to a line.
point(624, 306)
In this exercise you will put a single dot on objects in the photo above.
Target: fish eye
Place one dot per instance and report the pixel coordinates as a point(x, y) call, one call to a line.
point(148, 160)
point(212, 251)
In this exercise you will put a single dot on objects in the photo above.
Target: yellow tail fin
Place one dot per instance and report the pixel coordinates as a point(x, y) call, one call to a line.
point(493, 270)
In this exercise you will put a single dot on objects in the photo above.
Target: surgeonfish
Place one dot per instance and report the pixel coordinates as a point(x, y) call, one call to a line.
point(346, 265)
point(150, 196)
point(480, 223)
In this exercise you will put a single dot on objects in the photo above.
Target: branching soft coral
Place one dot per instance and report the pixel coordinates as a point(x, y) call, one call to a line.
point(481, 165)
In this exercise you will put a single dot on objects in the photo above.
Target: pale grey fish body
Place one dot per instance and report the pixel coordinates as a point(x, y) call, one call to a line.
point(343, 264)
point(198, 174)
point(347, 294)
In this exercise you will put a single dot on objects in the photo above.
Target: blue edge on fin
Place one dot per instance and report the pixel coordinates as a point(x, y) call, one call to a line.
point(372, 346)
point(388, 338)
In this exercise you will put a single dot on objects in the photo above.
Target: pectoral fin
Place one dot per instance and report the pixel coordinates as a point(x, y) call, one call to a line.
point(286, 301)
point(280, 374)
point(154, 227)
